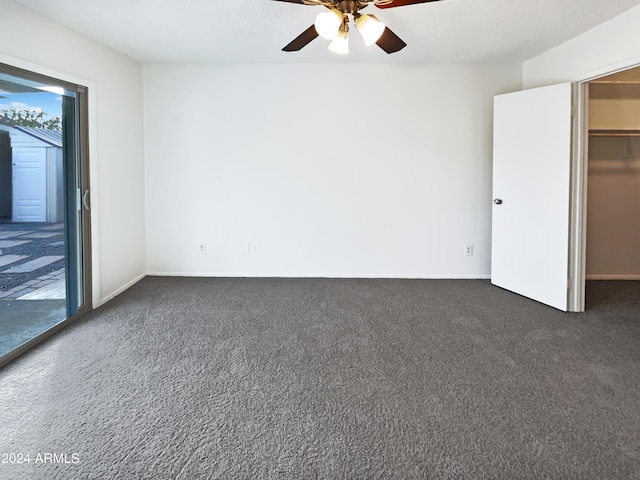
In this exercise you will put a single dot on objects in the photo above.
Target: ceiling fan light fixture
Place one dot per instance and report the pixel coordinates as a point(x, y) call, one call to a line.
point(370, 28)
point(340, 44)
point(328, 23)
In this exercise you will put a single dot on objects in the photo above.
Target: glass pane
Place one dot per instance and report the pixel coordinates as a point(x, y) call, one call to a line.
point(40, 208)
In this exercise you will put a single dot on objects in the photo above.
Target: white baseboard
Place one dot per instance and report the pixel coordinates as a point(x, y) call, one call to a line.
point(105, 299)
point(477, 276)
point(613, 277)
point(130, 284)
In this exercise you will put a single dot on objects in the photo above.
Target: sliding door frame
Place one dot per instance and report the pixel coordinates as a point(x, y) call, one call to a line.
point(81, 196)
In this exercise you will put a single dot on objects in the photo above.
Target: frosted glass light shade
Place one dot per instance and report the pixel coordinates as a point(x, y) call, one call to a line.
point(370, 28)
point(340, 44)
point(328, 23)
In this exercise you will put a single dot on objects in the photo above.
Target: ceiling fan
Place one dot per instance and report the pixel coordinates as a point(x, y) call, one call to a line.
point(334, 25)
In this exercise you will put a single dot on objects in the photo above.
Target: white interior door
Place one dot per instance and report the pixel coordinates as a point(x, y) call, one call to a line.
point(29, 184)
point(531, 188)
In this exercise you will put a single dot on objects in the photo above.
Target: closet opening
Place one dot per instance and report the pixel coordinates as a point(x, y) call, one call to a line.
point(612, 246)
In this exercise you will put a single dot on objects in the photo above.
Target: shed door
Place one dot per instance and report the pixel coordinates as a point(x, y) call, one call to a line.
point(531, 187)
point(29, 184)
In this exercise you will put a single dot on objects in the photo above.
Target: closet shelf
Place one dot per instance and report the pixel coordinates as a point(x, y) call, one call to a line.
point(614, 133)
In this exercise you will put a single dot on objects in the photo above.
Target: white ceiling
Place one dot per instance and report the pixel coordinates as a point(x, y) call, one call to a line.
point(254, 31)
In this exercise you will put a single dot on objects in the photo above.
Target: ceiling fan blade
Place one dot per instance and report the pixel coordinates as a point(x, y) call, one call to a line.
point(402, 3)
point(291, 1)
point(390, 42)
point(302, 40)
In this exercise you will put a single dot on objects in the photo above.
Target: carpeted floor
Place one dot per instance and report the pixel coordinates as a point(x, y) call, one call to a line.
point(331, 379)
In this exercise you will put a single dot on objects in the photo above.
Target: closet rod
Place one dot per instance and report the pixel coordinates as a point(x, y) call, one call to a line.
point(614, 133)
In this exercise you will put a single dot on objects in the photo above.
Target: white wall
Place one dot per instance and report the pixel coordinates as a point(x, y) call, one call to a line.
point(323, 170)
point(31, 41)
point(605, 48)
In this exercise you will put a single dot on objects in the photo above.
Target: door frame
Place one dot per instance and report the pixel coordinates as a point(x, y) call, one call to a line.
point(579, 175)
point(578, 198)
point(82, 141)
point(92, 134)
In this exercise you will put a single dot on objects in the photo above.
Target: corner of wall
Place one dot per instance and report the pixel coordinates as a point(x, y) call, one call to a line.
point(610, 46)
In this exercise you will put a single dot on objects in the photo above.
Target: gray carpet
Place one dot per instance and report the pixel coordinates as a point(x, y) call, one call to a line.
point(331, 379)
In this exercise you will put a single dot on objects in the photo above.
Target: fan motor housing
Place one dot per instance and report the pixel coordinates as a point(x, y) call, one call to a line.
point(348, 6)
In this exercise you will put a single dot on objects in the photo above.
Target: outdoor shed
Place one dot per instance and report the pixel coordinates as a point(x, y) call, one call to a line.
point(36, 175)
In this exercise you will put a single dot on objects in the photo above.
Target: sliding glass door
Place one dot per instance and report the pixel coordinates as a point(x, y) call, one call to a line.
point(45, 254)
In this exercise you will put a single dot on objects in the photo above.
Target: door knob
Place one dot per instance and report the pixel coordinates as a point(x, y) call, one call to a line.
point(497, 201)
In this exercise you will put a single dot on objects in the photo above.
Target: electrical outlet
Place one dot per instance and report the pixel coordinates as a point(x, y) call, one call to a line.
point(468, 250)
point(202, 248)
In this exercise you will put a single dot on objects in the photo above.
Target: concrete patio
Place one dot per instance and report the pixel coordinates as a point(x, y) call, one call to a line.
point(32, 281)
point(32, 261)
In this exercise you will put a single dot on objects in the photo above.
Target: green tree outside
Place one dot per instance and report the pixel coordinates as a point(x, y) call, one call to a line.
point(29, 118)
